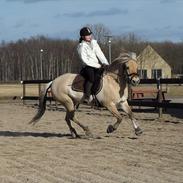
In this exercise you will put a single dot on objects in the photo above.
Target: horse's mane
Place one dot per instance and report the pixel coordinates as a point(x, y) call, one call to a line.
point(122, 58)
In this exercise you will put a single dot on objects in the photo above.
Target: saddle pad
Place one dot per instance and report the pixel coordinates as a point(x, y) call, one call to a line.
point(78, 85)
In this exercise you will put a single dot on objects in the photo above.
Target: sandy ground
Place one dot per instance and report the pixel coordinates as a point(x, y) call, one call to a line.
point(46, 153)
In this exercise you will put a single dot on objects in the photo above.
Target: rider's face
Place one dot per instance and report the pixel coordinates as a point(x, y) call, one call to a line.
point(88, 38)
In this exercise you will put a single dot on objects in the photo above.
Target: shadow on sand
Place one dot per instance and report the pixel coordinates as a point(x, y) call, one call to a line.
point(176, 113)
point(31, 134)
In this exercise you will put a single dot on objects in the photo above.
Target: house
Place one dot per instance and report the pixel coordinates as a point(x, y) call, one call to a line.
point(152, 65)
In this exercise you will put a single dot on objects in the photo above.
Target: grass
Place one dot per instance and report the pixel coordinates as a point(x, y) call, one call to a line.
point(12, 90)
point(175, 91)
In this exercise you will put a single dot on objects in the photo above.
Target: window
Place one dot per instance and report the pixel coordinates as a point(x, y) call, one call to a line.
point(156, 73)
point(142, 74)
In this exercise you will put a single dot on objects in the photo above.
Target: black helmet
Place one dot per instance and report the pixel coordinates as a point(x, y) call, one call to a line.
point(85, 31)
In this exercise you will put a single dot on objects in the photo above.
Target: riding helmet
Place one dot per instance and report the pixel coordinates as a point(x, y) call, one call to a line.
point(85, 31)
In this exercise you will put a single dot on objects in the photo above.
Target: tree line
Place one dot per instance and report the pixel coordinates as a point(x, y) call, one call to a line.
point(41, 57)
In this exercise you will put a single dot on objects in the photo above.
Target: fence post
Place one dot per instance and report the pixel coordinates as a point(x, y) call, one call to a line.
point(129, 92)
point(39, 89)
point(159, 87)
point(23, 91)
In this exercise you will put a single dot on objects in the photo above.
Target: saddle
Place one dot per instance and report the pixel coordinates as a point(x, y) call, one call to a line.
point(78, 84)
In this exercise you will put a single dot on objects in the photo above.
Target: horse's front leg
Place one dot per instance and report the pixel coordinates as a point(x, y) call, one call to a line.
point(124, 105)
point(112, 108)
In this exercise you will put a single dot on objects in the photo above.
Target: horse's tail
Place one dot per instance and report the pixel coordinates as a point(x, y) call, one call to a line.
point(42, 104)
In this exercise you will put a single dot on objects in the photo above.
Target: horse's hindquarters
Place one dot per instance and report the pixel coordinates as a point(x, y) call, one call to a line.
point(62, 88)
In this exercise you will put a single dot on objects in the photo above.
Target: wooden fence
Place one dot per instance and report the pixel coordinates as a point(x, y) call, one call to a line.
point(36, 82)
point(159, 102)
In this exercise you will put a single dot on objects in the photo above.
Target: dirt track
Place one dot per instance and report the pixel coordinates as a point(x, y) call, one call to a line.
point(45, 153)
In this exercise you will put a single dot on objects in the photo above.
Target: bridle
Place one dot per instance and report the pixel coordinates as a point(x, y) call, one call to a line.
point(130, 76)
point(127, 75)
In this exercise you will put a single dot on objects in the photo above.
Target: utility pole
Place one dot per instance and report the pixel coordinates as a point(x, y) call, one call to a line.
point(141, 76)
point(109, 38)
point(41, 63)
point(41, 70)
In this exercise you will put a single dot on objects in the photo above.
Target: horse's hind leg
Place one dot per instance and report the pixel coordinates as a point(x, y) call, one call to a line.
point(69, 105)
point(128, 110)
point(72, 130)
point(67, 102)
point(85, 128)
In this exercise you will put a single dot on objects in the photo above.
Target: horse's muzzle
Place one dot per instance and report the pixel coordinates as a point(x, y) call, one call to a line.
point(135, 80)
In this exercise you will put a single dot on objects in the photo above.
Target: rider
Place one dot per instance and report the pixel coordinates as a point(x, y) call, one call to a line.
point(92, 59)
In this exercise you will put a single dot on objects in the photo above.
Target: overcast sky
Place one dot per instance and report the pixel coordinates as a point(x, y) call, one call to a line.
point(153, 20)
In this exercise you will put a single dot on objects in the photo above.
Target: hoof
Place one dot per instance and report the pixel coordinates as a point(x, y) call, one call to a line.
point(138, 131)
point(110, 129)
point(75, 136)
point(88, 134)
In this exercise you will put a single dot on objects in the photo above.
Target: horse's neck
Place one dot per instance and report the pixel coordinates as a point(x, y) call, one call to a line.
point(113, 75)
point(111, 85)
point(116, 75)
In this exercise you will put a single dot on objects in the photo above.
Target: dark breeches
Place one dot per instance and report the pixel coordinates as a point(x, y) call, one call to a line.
point(90, 74)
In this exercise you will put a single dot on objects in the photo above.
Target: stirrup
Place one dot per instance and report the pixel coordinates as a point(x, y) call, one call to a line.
point(86, 101)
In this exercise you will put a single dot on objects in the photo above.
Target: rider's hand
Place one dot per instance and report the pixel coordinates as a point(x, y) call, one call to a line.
point(105, 66)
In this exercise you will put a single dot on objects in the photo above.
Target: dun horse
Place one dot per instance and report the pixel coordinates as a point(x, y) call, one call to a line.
point(113, 94)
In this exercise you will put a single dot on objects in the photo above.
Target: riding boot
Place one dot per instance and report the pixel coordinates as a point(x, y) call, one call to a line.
point(87, 91)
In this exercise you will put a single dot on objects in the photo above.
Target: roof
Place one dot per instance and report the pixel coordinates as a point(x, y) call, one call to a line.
point(150, 55)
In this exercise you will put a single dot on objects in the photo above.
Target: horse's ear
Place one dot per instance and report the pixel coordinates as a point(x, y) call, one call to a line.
point(116, 59)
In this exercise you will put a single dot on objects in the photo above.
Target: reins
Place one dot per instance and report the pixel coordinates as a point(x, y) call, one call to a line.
point(127, 76)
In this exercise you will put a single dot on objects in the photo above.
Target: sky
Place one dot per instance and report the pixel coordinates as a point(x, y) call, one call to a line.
point(151, 20)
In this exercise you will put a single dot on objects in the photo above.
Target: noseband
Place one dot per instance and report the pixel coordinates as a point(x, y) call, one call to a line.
point(129, 76)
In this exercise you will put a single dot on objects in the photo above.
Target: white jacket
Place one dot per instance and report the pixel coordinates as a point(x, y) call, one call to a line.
point(90, 54)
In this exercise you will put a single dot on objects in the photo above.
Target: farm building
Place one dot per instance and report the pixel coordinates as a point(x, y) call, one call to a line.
point(152, 65)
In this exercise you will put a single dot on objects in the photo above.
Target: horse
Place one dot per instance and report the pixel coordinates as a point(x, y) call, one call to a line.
point(113, 94)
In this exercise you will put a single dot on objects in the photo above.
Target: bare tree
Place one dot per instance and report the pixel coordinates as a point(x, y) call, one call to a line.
point(21, 60)
point(100, 32)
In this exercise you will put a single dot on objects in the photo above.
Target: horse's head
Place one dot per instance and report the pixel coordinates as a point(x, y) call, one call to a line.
point(131, 72)
point(125, 67)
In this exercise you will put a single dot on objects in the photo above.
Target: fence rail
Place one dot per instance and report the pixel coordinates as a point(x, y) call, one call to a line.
point(34, 81)
point(34, 98)
point(142, 81)
point(162, 81)
point(162, 104)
